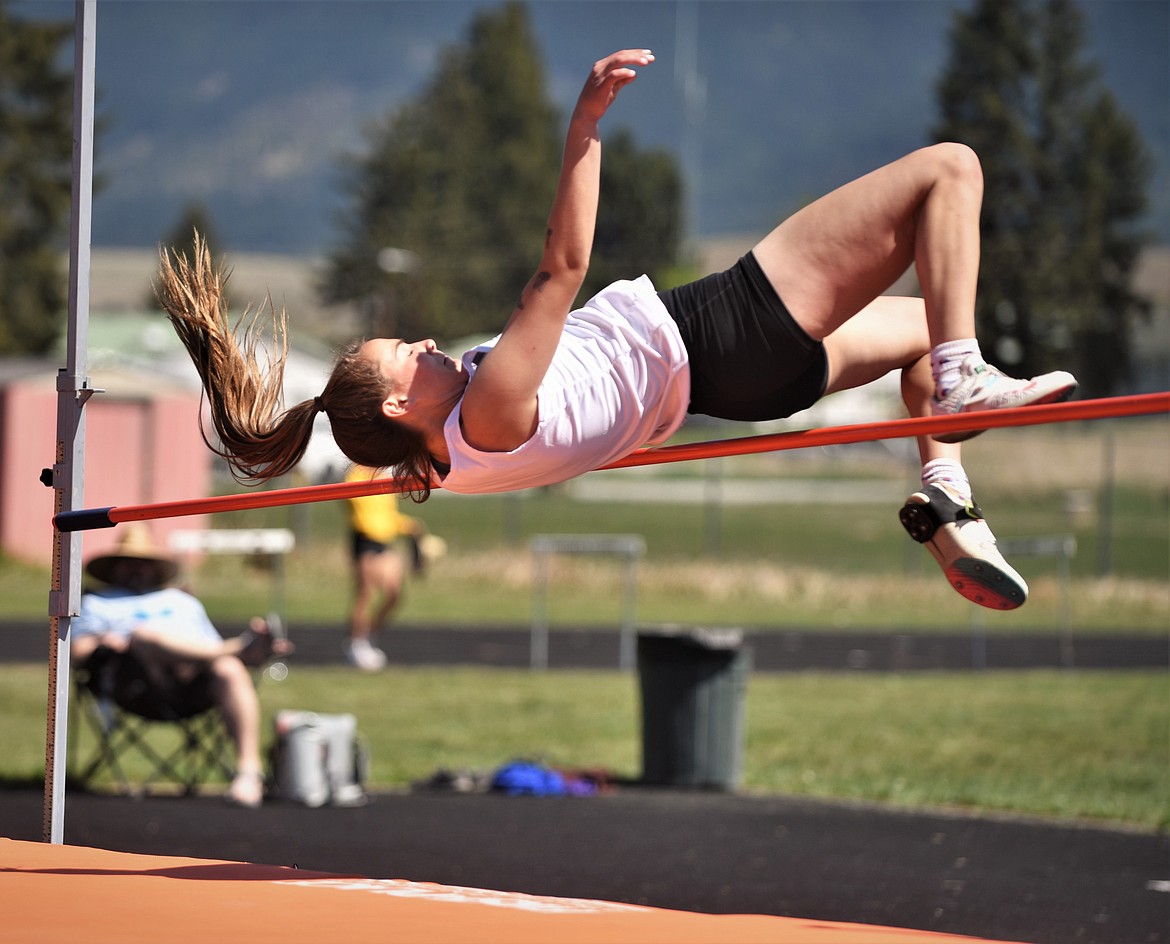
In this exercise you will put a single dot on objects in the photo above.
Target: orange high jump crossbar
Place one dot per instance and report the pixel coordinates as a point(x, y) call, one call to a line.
point(1111, 407)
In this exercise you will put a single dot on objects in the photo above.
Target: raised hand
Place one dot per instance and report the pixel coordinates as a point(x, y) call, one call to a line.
point(608, 77)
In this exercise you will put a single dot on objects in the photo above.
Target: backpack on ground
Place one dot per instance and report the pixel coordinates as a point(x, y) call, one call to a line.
point(319, 759)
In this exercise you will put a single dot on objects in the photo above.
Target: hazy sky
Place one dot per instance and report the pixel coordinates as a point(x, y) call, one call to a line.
point(246, 105)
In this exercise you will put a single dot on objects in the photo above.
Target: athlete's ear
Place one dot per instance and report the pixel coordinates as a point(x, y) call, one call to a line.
point(394, 406)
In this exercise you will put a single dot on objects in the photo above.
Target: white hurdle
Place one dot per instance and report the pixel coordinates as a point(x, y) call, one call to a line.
point(543, 546)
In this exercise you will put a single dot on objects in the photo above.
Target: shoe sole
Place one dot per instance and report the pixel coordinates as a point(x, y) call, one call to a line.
point(980, 581)
point(975, 578)
point(375, 665)
point(367, 668)
point(1057, 396)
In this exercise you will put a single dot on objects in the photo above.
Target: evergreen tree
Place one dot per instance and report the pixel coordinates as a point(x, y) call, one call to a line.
point(639, 217)
point(36, 151)
point(462, 179)
point(1065, 173)
point(194, 217)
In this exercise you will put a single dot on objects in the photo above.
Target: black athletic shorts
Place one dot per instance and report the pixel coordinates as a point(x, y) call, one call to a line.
point(363, 545)
point(749, 358)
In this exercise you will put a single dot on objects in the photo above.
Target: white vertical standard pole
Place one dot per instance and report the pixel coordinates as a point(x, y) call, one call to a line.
point(67, 474)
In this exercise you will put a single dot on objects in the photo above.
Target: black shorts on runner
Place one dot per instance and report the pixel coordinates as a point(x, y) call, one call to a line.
point(360, 544)
point(749, 358)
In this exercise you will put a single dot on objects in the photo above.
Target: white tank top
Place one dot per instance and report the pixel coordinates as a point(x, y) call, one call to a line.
point(618, 381)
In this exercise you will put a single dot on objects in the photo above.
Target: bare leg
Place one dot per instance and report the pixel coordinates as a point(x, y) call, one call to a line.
point(378, 588)
point(891, 334)
point(829, 263)
point(888, 334)
point(253, 648)
point(240, 707)
point(365, 587)
point(159, 646)
point(917, 391)
point(832, 258)
point(390, 579)
point(235, 695)
point(377, 584)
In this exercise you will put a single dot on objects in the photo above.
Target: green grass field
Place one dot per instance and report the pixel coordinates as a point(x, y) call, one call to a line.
point(1069, 744)
point(1092, 745)
point(774, 564)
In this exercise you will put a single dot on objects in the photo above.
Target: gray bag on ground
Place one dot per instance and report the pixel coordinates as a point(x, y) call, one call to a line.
point(319, 759)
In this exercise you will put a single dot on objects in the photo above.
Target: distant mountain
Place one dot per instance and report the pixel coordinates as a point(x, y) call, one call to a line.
point(249, 107)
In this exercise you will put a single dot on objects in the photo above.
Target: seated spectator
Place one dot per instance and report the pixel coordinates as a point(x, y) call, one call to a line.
point(168, 632)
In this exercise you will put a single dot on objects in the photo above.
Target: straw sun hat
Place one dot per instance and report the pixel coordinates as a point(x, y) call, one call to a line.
point(134, 544)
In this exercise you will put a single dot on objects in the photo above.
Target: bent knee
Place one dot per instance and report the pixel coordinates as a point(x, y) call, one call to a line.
point(230, 669)
point(956, 162)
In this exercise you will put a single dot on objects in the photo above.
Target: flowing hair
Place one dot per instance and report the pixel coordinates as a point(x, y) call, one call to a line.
point(257, 437)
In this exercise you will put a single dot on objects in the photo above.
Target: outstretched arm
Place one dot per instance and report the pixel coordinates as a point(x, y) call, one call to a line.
point(499, 410)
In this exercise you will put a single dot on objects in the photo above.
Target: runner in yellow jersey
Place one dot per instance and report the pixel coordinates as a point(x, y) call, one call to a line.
point(376, 527)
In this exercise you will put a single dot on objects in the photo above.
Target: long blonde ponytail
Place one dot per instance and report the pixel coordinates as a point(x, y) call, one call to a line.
point(257, 439)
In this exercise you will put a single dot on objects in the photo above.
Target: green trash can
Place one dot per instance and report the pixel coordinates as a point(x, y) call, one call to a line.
point(693, 685)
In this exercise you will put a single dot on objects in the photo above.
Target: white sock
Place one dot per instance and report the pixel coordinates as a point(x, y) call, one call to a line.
point(948, 472)
point(945, 360)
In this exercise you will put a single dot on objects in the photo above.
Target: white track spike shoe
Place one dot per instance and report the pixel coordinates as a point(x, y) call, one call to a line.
point(962, 543)
point(983, 387)
point(363, 655)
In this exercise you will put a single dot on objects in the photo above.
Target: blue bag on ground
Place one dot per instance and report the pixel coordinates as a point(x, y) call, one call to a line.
point(521, 778)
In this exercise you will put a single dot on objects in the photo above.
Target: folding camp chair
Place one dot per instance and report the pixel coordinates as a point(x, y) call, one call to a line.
point(125, 701)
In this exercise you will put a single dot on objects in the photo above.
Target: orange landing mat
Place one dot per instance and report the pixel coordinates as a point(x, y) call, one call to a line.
point(51, 894)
